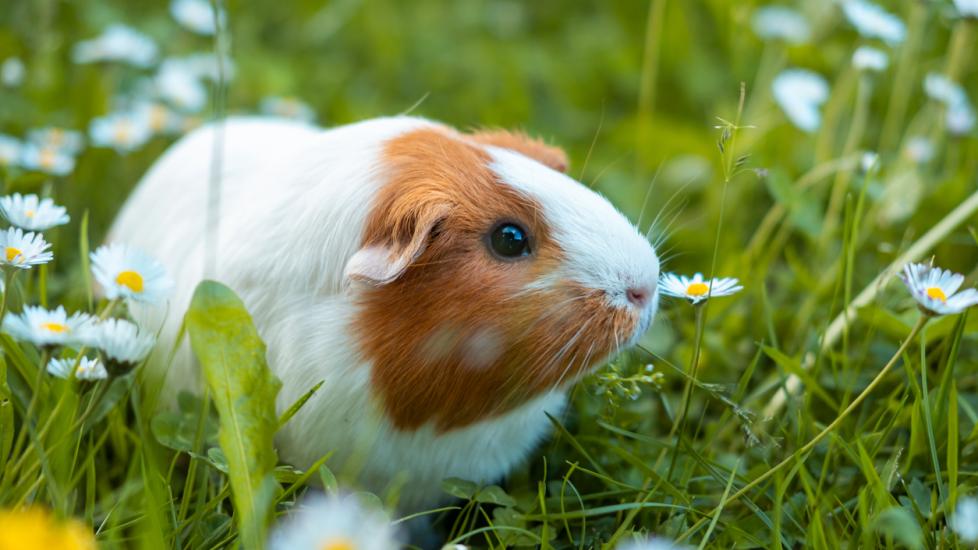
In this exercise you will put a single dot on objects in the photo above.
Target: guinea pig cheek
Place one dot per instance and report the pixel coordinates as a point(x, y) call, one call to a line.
point(477, 348)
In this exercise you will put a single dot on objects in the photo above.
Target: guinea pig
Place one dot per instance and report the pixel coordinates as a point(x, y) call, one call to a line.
point(448, 287)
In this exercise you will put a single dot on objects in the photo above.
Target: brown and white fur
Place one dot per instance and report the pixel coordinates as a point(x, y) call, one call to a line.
point(361, 253)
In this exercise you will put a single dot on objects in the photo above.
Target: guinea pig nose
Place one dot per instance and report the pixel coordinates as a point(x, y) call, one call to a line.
point(638, 295)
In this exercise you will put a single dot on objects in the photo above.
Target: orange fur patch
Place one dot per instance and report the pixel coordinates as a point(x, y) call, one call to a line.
point(457, 338)
point(536, 149)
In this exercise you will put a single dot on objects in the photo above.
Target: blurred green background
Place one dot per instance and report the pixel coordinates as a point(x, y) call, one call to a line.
point(634, 91)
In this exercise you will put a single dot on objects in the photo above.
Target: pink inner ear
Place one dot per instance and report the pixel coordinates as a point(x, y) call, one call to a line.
point(376, 265)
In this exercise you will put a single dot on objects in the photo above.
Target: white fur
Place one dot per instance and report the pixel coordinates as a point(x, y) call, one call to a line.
point(604, 251)
point(294, 203)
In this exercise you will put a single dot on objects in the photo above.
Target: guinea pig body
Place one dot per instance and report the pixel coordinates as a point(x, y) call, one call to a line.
point(446, 287)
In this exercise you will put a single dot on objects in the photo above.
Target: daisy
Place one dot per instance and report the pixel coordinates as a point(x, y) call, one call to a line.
point(288, 107)
point(12, 72)
point(205, 65)
point(967, 8)
point(334, 523)
point(31, 213)
point(69, 142)
point(781, 23)
point(919, 149)
point(196, 15)
point(10, 150)
point(48, 328)
point(87, 369)
point(964, 522)
point(696, 289)
point(117, 43)
point(158, 117)
point(959, 119)
point(179, 84)
point(873, 21)
point(47, 159)
point(654, 543)
point(959, 114)
point(941, 88)
point(129, 273)
point(868, 161)
point(800, 92)
point(867, 58)
point(934, 289)
point(124, 132)
point(23, 250)
point(121, 341)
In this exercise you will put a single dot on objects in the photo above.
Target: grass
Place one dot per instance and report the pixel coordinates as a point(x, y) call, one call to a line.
point(812, 409)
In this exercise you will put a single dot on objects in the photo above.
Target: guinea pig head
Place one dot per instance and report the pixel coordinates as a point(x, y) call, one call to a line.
point(486, 276)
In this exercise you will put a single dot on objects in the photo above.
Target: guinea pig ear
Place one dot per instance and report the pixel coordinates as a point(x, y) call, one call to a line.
point(536, 149)
point(384, 261)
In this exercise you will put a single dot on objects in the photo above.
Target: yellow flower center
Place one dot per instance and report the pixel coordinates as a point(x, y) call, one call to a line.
point(936, 293)
point(29, 213)
point(55, 327)
point(47, 159)
point(12, 253)
point(130, 279)
point(697, 289)
point(122, 132)
point(157, 118)
point(338, 544)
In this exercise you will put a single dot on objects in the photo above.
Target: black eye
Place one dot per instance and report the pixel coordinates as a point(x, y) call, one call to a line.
point(509, 240)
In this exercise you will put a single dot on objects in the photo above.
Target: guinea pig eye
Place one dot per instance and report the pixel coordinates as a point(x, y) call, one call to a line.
point(509, 241)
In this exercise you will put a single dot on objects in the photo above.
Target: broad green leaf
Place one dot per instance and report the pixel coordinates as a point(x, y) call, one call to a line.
point(460, 488)
point(900, 525)
point(232, 357)
point(494, 494)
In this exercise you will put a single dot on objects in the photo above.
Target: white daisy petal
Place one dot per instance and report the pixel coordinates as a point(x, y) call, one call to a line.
point(334, 522)
point(936, 289)
point(10, 150)
point(48, 328)
point(129, 273)
point(867, 58)
point(654, 543)
point(12, 72)
point(872, 21)
point(800, 93)
point(919, 149)
point(196, 15)
point(288, 107)
point(959, 115)
point(967, 8)
point(964, 522)
point(117, 43)
point(87, 369)
point(23, 250)
point(32, 213)
point(121, 341)
point(781, 23)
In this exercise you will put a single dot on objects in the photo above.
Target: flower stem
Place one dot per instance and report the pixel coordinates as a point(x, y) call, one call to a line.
point(679, 426)
point(798, 455)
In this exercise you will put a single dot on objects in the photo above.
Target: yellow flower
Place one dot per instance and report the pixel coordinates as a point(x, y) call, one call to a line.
point(36, 529)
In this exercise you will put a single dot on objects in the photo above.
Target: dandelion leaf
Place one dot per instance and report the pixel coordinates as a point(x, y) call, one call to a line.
point(232, 358)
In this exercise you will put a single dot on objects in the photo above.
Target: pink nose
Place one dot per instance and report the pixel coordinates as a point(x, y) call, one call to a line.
point(639, 296)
